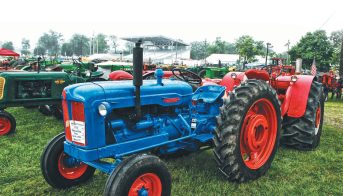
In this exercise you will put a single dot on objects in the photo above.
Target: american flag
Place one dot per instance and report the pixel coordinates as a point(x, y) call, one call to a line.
point(314, 68)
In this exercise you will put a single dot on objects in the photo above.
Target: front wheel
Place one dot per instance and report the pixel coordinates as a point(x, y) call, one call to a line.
point(61, 170)
point(248, 131)
point(139, 175)
point(7, 123)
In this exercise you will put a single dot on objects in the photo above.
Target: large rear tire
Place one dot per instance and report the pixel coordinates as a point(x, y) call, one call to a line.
point(59, 169)
point(248, 131)
point(139, 175)
point(304, 133)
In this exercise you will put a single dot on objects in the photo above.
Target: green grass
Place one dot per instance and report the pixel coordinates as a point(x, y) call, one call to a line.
point(316, 172)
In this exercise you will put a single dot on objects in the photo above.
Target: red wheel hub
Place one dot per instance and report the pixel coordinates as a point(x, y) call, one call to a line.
point(70, 169)
point(5, 126)
point(148, 182)
point(318, 116)
point(258, 134)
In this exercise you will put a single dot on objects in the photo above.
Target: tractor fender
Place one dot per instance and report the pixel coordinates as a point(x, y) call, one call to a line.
point(257, 74)
point(120, 75)
point(296, 97)
point(230, 83)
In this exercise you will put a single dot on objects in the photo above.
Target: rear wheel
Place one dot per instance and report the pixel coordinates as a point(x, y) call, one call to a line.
point(61, 170)
point(56, 111)
point(44, 109)
point(304, 133)
point(7, 123)
point(139, 175)
point(248, 130)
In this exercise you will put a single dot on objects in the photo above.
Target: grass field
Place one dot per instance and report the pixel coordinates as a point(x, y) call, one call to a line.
point(318, 172)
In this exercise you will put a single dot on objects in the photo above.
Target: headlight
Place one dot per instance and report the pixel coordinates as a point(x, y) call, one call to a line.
point(294, 78)
point(102, 110)
point(233, 75)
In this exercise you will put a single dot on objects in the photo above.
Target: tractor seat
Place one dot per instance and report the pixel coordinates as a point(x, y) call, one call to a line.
point(208, 94)
point(257, 74)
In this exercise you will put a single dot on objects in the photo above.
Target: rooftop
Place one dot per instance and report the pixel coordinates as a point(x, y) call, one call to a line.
point(156, 40)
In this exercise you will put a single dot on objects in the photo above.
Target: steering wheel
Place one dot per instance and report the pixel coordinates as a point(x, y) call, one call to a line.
point(187, 76)
point(149, 76)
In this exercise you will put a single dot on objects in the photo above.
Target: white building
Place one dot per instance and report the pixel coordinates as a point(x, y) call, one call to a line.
point(229, 59)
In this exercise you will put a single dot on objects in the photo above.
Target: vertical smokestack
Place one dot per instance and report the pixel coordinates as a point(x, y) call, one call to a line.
point(298, 65)
point(138, 76)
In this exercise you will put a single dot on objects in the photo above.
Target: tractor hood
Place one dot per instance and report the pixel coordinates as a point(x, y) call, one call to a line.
point(121, 94)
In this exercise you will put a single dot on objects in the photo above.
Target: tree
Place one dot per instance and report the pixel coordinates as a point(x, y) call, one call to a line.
point(199, 50)
point(79, 45)
point(221, 47)
point(129, 47)
point(202, 49)
point(336, 39)
point(67, 49)
point(314, 45)
point(39, 50)
point(101, 43)
point(8, 45)
point(248, 48)
point(25, 46)
point(341, 62)
point(50, 42)
point(113, 42)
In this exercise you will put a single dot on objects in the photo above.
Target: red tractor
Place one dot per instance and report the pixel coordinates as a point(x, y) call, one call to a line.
point(330, 84)
point(300, 96)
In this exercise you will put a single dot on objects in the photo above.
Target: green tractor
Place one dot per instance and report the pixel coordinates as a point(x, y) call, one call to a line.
point(40, 88)
point(211, 72)
point(215, 72)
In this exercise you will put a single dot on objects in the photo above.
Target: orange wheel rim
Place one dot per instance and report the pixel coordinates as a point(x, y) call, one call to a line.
point(146, 184)
point(258, 133)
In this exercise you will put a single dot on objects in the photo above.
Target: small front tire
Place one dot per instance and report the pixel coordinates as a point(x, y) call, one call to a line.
point(7, 123)
point(61, 170)
point(139, 175)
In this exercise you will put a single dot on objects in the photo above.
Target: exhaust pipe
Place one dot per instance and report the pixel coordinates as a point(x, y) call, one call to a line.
point(138, 76)
point(298, 65)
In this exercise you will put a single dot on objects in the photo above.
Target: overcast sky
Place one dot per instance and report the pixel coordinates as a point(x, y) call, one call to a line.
point(274, 21)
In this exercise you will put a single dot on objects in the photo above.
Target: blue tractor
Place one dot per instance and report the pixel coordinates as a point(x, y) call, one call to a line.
point(122, 128)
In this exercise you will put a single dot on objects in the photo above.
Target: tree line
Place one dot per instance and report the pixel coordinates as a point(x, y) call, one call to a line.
point(52, 43)
point(326, 50)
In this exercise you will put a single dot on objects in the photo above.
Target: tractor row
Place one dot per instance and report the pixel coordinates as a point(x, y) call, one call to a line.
point(332, 84)
point(38, 88)
point(122, 127)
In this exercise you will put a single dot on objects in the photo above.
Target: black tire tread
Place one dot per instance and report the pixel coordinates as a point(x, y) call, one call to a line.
point(50, 170)
point(226, 137)
point(299, 133)
point(120, 178)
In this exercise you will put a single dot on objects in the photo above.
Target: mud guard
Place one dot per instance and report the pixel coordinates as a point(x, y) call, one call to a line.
point(120, 75)
point(295, 101)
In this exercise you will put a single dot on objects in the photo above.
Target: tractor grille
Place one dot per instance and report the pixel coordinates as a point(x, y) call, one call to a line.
point(2, 86)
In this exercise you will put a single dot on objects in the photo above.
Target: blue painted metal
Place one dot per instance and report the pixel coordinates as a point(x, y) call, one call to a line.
point(183, 120)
